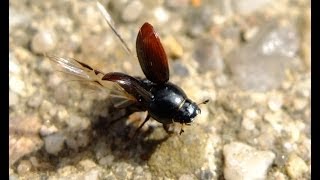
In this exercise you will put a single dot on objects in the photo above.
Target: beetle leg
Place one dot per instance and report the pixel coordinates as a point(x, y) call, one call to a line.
point(145, 120)
point(181, 130)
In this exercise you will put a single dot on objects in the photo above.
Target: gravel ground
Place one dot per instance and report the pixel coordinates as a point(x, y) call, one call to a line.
point(250, 58)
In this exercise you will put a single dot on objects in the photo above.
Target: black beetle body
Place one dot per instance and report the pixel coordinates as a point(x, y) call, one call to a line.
point(170, 104)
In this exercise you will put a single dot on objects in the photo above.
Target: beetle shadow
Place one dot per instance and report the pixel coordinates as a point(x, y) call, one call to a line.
point(116, 131)
point(114, 137)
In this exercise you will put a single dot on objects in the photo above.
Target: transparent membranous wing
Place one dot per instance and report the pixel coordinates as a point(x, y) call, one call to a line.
point(91, 79)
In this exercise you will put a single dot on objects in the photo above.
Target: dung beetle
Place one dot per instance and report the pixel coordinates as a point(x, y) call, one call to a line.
point(164, 101)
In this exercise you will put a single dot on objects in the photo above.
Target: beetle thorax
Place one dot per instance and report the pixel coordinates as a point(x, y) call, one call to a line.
point(168, 98)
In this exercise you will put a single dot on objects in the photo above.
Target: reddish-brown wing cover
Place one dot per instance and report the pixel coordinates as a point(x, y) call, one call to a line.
point(151, 55)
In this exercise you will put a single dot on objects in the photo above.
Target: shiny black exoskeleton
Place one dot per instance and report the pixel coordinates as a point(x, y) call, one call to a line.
point(170, 104)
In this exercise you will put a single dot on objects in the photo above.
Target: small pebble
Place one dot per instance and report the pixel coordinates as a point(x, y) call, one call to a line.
point(54, 143)
point(43, 42)
point(275, 120)
point(299, 103)
point(13, 99)
point(14, 67)
point(24, 167)
point(17, 85)
point(78, 123)
point(61, 112)
point(123, 170)
point(11, 171)
point(106, 161)
point(61, 94)
point(248, 123)
point(197, 21)
point(245, 162)
point(110, 176)
point(208, 55)
point(45, 130)
point(87, 164)
point(138, 170)
point(172, 47)
point(54, 80)
point(278, 176)
point(35, 100)
point(296, 167)
point(275, 103)
point(161, 14)
point(34, 161)
point(92, 175)
point(80, 139)
point(180, 69)
point(66, 170)
point(132, 11)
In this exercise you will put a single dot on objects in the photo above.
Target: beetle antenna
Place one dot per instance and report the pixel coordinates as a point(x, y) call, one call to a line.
point(111, 24)
point(204, 102)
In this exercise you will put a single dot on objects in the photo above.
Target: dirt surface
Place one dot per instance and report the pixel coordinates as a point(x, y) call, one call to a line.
point(251, 59)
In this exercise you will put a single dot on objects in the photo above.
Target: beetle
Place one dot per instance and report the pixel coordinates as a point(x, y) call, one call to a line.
point(164, 101)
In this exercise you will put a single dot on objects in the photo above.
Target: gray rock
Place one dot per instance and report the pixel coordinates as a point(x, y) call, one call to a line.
point(245, 162)
point(77, 139)
point(260, 64)
point(179, 69)
point(197, 20)
point(106, 161)
point(208, 55)
point(54, 143)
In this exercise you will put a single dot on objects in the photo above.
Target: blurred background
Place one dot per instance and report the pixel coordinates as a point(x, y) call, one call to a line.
point(250, 58)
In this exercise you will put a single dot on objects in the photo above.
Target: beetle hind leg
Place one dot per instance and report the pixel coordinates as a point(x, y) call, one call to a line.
point(145, 120)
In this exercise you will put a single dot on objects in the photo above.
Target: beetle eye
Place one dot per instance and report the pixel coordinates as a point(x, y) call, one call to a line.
point(198, 111)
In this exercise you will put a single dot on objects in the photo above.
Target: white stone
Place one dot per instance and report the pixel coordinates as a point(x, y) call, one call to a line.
point(17, 85)
point(296, 167)
point(245, 162)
